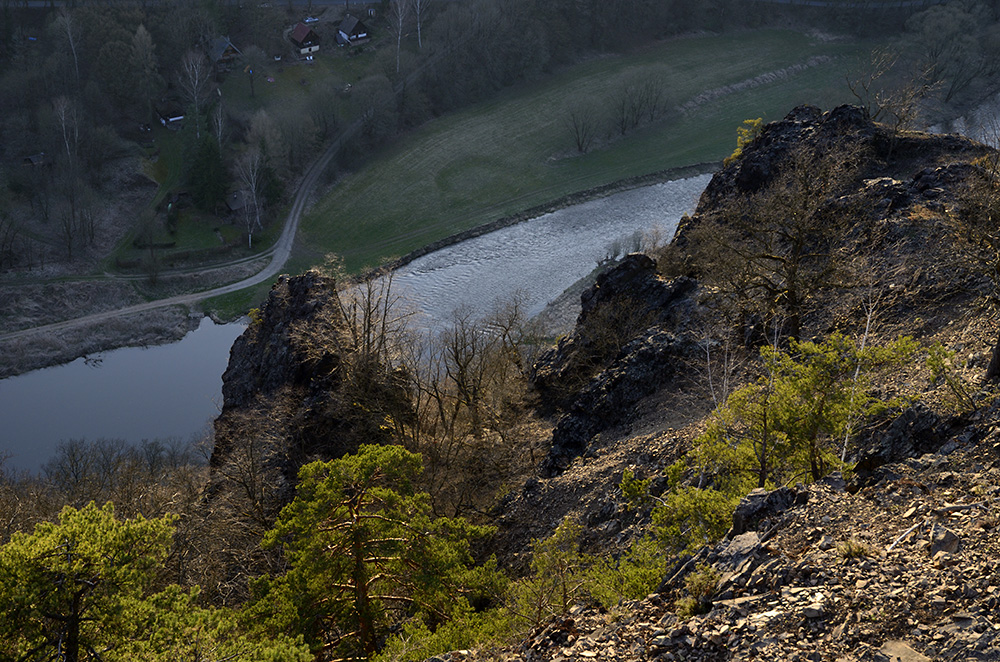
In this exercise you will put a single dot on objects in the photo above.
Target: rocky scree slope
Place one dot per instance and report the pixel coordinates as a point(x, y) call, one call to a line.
point(638, 400)
point(901, 570)
point(628, 389)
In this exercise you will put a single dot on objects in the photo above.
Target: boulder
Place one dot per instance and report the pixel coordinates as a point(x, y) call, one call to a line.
point(760, 505)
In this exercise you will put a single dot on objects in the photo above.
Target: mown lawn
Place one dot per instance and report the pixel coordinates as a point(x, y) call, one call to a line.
point(516, 152)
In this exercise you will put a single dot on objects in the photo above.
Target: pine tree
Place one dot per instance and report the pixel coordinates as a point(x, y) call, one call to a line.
point(365, 552)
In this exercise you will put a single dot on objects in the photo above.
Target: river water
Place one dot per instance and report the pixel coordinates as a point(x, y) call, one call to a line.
point(164, 392)
point(174, 391)
point(538, 259)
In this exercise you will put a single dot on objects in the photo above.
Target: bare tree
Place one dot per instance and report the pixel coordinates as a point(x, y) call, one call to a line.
point(10, 231)
point(399, 16)
point(419, 9)
point(583, 124)
point(772, 252)
point(219, 123)
point(65, 22)
point(148, 80)
point(69, 124)
point(887, 94)
point(195, 80)
point(466, 408)
point(977, 239)
point(249, 167)
point(654, 96)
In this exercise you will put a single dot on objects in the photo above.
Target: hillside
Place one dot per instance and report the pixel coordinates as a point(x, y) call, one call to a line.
point(886, 227)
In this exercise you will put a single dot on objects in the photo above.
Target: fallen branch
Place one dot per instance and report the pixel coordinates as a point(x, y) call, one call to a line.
point(904, 534)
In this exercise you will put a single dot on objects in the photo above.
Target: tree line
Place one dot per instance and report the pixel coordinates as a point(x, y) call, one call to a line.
point(83, 80)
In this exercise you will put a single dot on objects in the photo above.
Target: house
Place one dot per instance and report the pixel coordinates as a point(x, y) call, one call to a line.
point(170, 112)
point(305, 39)
point(222, 53)
point(352, 31)
point(237, 200)
point(35, 160)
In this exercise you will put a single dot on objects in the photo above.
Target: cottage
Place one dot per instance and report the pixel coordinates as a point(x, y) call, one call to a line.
point(222, 53)
point(35, 160)
point(305, 39)
point(237, 200)
point(352, 31)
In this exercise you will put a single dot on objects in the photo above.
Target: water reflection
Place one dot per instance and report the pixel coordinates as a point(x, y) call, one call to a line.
point(165, 391)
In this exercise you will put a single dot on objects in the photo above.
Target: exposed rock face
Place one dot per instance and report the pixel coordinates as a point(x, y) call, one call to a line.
point(269, 355)
point(642, 367)
point(626, 346)
point(916, 431)
point(808, 126)
point(293, 387)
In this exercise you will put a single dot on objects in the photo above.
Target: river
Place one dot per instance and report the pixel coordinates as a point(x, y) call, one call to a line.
point(174, 391)
point(538, 259)
point(164, 392)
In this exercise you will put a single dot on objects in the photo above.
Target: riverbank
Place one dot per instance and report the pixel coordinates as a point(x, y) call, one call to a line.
point(46, 349)
point(37, 304)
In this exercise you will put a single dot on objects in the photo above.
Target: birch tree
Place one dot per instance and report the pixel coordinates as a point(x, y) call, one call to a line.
point(195, 82)
point(399, 16)
point(419, 10)
point(249, 168)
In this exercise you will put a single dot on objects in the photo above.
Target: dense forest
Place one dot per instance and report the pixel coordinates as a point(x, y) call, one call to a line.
point(369, 535)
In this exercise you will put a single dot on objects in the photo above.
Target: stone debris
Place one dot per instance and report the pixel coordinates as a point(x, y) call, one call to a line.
point(795, 598)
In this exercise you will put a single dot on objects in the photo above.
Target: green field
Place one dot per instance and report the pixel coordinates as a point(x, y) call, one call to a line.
point(516, 152)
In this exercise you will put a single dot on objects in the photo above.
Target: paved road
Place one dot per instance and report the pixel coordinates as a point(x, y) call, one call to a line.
point(279, 254)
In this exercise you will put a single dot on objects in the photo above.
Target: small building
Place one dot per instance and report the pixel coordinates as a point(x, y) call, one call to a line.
point(34, 160)
point(305, 39)
point(223, 53)
point(237, 200)
point(171, 113)
point(352, 31)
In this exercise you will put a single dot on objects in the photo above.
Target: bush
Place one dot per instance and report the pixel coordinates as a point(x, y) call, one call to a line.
point(852, 548)
point(745, 135)
point(701, 585)
point(632, 576)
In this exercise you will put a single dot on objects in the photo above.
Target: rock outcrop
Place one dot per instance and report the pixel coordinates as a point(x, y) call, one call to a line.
point(294, 390)
point(628, 343)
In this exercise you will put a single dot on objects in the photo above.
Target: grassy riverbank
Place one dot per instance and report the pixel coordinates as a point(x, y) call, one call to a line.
point(516, 152)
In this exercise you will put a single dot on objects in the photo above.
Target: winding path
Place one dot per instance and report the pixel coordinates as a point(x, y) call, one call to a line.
point(281, 250)
point(279, 254)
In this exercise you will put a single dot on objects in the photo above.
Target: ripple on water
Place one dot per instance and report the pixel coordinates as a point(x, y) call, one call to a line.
point(543, 256)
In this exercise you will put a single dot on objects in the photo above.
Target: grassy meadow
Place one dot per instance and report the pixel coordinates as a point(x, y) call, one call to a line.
point(516, 151)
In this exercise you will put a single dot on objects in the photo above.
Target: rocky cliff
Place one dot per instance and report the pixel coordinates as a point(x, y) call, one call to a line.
point(895, 563)
point(294, 390)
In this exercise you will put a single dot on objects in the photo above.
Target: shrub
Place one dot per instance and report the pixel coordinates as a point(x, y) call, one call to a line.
point(557, 578)
point(745, 134)
point(701, 585)
point(633, 575)
point(852, 548)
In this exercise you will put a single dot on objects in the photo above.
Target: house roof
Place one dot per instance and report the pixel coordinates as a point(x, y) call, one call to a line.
point(303, 33)
point(351, 25)
point(237, 200)
point(219, 47)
